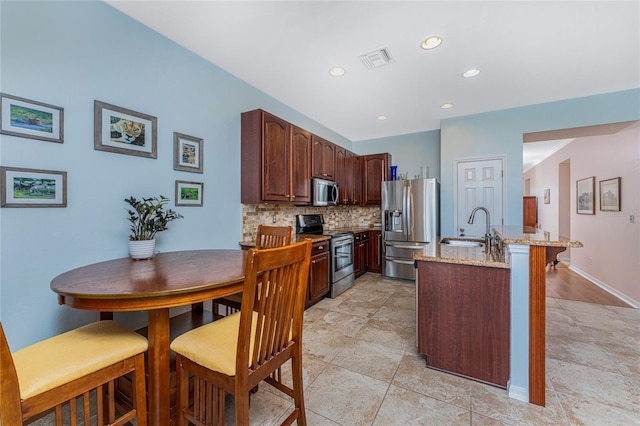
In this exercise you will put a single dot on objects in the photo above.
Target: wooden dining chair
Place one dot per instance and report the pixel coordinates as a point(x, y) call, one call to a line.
point(232, 355)
point(267, 237)
point(57, 371)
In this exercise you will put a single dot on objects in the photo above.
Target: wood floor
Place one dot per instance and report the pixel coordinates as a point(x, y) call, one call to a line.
point(563, 283)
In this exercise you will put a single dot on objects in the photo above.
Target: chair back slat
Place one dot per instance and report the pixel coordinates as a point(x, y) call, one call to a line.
point(277, 302)
point(9, 386)
point(273, 236)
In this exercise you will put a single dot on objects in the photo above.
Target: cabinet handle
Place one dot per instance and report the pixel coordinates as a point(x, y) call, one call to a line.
point(320, 247)
point(313, 261)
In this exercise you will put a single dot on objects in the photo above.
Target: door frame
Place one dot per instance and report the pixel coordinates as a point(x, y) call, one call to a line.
point(456, 163)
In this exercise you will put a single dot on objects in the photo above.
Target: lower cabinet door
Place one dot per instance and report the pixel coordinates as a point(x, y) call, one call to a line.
point(318, 278)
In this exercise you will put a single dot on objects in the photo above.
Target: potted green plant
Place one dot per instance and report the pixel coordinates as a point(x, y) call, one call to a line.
point(147, 218)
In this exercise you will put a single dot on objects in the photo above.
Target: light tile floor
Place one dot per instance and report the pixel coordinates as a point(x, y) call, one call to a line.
point(361, 367)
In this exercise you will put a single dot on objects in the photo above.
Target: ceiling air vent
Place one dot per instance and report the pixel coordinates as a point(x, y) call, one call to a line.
point(377, 58)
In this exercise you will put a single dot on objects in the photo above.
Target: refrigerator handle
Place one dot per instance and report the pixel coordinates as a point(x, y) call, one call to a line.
point(406, 207)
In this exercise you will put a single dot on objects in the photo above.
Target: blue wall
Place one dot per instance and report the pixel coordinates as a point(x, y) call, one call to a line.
point(500, 133)
point(409, 152)
point(68, 54)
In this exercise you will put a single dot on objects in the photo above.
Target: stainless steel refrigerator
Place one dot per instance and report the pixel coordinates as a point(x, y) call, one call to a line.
point(410, 222)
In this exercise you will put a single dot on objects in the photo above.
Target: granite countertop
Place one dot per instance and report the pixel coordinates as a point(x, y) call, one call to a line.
point(296, 238)
point(532, 236)
point(476, 256)
point(443, 253)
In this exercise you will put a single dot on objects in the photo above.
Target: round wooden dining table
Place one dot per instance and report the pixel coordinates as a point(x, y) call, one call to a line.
point(168, 280)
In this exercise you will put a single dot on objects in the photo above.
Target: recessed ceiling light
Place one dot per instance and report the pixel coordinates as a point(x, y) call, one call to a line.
point(446, 105)
point(470, 73)
point(337, 71)
point(382, 117)
point(431, 42)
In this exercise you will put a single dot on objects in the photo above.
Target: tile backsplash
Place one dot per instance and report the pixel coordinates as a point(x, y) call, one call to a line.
point(334, 217)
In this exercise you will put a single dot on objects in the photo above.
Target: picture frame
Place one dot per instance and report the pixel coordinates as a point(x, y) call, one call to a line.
point(187, 153)
point(610, 195)
point(22, 187)
point(124, 131)
point(31, 119)
point(189, 193)
point(585, 191)
point(547, 196)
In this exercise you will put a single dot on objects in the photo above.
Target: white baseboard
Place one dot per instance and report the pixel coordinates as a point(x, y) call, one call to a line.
point(606, 288)
point(519, 393)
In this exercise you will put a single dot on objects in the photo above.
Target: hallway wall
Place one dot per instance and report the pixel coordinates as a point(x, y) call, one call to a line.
point(611, 240)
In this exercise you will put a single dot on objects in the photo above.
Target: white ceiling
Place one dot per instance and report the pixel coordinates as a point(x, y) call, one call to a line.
point(529, 52)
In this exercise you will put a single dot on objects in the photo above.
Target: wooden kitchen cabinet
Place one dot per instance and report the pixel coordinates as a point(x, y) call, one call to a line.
point(348, 176)
point(361, 253)
point(323, 158)
point(464, 320)
point(375, 251)
point(530, 211)
point(318, 286)
point(341, 174)
point(275, 160)
point(375, 170)
point(300, 165)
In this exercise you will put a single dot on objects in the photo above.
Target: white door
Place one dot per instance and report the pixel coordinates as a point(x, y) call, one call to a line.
point(479, 183)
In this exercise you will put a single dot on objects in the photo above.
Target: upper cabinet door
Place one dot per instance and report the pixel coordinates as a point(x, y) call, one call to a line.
point(340, 175)
point(375, 170)
point(276, 161)
point(323, 158)
point(300, 165)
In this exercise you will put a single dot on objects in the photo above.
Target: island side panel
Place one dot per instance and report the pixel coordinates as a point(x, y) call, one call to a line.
point(537, 323)
point(464, 320)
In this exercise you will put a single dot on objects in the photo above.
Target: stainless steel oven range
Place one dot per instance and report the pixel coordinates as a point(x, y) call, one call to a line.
point(341, 246)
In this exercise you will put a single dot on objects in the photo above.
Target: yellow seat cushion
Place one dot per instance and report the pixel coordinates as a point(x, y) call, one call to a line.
point(214, 345)
point(74, 354)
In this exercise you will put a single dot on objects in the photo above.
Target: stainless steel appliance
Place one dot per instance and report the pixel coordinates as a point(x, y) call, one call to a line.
point(341, 246)
point(324, 192)
point(410, 221)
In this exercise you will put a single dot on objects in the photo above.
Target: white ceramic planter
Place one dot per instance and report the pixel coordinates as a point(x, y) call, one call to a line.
point(142, 249)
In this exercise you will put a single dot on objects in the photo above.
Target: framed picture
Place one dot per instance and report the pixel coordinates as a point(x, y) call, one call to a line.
point(189, 193)
point(585, 189)
point(32, 188)
point(547, 196)
point(187, 153)
point(124, 131)
point(610, 195)
point(31, 119)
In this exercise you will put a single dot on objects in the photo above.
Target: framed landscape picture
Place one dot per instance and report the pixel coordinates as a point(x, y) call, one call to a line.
point(189, 193)
point(124, 131)
point(187, 153)
point(610, 195)
point(30, 119)
point(585, 189)
point(32, 188)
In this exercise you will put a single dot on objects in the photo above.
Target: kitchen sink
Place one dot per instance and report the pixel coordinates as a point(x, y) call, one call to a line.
point(462, 242)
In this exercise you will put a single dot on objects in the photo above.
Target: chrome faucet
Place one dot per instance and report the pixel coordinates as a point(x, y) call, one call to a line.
point(487, 235)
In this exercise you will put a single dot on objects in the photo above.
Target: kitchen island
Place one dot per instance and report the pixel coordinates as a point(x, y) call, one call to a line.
point(463, 320)
point(524, 253)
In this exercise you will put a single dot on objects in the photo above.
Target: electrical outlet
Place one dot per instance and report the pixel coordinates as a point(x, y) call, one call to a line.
point(590, 260)
point(632, 218)
point(273, 218)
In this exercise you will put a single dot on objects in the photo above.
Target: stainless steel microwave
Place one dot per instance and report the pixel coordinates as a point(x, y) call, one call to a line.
point(324, 192)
